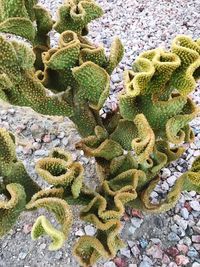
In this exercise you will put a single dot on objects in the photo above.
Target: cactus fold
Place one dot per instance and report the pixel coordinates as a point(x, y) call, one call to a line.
point(75, 15)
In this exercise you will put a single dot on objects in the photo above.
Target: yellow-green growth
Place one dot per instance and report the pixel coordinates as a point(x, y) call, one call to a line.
point(43, 226)
point(75, 15)
point(11, 208)
point(150, 86)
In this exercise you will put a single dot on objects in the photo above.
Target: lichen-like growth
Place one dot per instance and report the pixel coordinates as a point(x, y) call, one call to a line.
point(131, 145)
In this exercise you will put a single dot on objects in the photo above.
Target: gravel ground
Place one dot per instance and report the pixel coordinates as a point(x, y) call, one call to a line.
point(171, 239)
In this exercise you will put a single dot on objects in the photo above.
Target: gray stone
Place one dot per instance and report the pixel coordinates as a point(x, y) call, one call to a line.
point(125, 252)
point(136, 222)
point(109, 264)
point(195, 205)
point(173, 237)
point(184, 213)
point(41, 153)
point(166, 173)
point(171, 180)
point(145, 264)
point(90, 230)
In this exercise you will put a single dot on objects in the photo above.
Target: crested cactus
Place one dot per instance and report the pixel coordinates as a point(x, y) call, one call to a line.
point(131, 145)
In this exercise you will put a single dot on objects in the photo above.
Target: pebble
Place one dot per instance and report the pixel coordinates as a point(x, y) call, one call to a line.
point(184, 213)
point(181, 260)
point(109, 264)
point(172, 264)
point(90, 230)
point(173, 237)
point(187, 241)
point(41, 153)
point(58, 255)
point(136, 222)
point(182, 248)
point(135, 251)
point(195, 205)
point(166, 173)
point(144, 264)
point(80, 232)
point(155, 251)
point(192, 253)
point(171, 180)
point(196, 264)
point(143, 243)
point(196, 238)
point(22, 255)
point(125, 252)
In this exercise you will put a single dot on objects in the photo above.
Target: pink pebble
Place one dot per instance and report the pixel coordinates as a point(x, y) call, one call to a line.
point(172, 251)
point(196, 238)
point(172, 264)
point(181, 260)
point(155, 251)
point(165, 259)
point(182, 248)
point(47, 138)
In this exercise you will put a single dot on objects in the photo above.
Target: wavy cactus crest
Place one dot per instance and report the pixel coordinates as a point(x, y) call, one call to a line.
point(131, 145)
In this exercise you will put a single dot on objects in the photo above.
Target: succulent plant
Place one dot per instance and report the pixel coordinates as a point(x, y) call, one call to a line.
point(131, 145)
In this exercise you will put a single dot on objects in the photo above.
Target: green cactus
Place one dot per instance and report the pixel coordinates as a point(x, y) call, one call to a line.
point(131, 145)
point(75, 15)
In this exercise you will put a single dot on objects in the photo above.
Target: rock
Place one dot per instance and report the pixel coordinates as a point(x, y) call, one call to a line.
point(144, 264)
point(137, 213)
point(22, 255)
point(43, 246)
point(197, 247)
point(156, 241)
point(173, 237)
point(192, 253)
point(165, 259)
point(195, 205)
point(58, 255)
point(41, 153)
point(196, 238)
point(171, 180)
point(46, 138)
point(61, 135)
point(27, 228)
point(109, 264)
point(132, 229)
point(65, 141)
point(36, 131)
point(165, 173)
point(130, 243)
point(125, 252)
point(184, 213)
point(80, 232)
point(11, 111)
point(143, 243)
point(120, 262)
point(181, 222)
point(172, 251)
point(115, 78)
point(196, 264)
point(135, 250)
point(165, 186)
point(181, 260)
point(90, 230)
point(182, 248)
point(132, 265)
point(172, 264)
point(155, 251)
point(196, 229)
point(187, 241)
point(136, 222)
point(56, 142)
